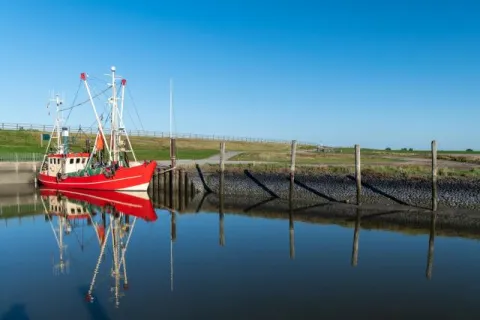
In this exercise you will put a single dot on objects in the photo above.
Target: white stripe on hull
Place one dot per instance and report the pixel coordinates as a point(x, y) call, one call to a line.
point(100, 198)
point(139, 187)
point(96, 182)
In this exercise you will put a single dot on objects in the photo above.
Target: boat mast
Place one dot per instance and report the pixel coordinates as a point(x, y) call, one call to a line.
point(113, 133)
point(83, 76)
point(122, 124)
point(59, 123)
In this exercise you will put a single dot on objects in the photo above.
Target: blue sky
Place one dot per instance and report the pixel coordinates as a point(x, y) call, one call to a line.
point(377, 73)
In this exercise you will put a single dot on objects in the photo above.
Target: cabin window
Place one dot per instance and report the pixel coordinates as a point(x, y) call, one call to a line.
point(79, 210)
point(78, 160)
point(71, 161)
point(83, 160)
point(55, 161)
point(72, 210)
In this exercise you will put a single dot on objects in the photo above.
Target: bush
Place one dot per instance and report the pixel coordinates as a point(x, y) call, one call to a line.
point(388, 149)
point(469, 150)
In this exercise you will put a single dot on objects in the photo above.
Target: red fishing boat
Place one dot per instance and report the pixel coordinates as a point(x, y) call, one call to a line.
point(104, 166)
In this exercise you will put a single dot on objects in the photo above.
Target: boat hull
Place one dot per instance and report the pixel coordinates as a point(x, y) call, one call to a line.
point(139, 206)
point(125, 179)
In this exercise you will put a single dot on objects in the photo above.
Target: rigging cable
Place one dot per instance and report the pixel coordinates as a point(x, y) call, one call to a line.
point(135, 107)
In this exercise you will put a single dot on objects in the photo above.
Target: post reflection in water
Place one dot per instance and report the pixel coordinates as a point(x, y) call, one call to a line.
point(185, 198)
point(113, 217)
point(115, 210)
point(220, 210)
point(290, 220)
point(430, 245)
point(356, 234)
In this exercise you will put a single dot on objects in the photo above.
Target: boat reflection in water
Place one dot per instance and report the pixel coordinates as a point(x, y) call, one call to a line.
point(112, 215)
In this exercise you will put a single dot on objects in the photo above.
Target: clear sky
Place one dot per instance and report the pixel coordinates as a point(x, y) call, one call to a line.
point(377, 73)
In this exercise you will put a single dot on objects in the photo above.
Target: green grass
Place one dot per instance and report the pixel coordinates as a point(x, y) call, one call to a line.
point(313, 158)
point(381, 171)
point(164, 154)
point(28, 141)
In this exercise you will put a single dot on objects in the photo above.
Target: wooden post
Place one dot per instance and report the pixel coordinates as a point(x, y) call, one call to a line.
point(292, 159)
point(154, 183)
point(430, 246)
point(150, 185)
point(170, 189)
point(161, 189)
point(222, 156)
point(173, 152)
point(356, 235)
point(181, 195)
point(221, 191)
point(161, 180)
point(358, 174)
point(434, 175)
point(187, 195)
point(165, 188)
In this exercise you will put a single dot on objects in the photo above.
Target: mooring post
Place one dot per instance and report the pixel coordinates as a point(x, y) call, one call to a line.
point(165, 179)
point(356, 235)
point(154, 183)
point(173, 152)
point(358, 174)
point(170, 189)
point(192, 189)
point(434, 175)
point(173, 164)
point(181, 194)
point(161, 189)
point(161, 180)
point(150, 186)
point(221, 191)
point(431, 241)
point(165, 188)
point(222, 156)
point(186, 184)
point(292, 160)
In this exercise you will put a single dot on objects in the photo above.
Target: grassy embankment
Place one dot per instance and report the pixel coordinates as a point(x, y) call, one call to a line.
point(341, 160)
point(27, 141)
point(402, 163)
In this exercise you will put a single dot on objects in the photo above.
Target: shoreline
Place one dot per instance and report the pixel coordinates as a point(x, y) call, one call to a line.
point(415, 192)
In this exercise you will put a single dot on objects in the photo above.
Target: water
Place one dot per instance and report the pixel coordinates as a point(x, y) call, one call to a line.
point(252, 268)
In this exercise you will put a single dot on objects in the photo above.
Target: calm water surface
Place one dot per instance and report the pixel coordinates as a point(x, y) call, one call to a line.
point(255, 274)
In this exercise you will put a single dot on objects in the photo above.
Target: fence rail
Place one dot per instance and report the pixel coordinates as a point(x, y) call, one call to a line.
point(21, 157)
point(144, 133)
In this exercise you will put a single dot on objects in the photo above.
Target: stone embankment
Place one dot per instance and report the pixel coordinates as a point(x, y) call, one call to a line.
point(460, 192)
